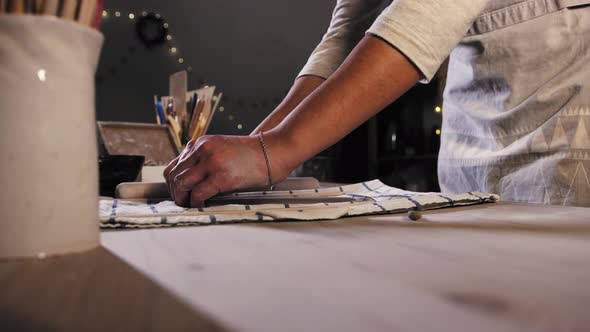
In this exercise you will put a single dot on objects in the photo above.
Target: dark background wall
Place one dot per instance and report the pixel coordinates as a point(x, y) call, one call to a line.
point(251, 50)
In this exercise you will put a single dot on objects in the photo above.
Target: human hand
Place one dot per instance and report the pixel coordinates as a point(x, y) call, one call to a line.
point(215, 164)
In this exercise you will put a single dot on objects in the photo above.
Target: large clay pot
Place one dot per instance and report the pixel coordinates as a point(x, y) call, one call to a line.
point(48, 152)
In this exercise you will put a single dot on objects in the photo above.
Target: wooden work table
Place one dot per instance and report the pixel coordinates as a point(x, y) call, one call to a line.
point(494, 267)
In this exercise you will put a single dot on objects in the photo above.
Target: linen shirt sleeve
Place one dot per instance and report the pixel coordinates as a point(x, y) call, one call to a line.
point(424, 31)
point(350, 20)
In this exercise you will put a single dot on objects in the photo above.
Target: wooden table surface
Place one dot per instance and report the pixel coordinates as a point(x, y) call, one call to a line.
point(494, 267)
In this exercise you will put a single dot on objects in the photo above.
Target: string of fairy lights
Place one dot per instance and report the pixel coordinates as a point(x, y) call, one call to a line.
point(106, 14)
point(438, 110)
point(157, 34)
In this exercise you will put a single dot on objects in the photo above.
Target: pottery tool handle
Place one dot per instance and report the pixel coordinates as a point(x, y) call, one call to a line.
point(38, 6)
point(195, 118)
point(16, 7)
point(87, 12)
point(50, 7)
point(29, 6)
point(68, 10)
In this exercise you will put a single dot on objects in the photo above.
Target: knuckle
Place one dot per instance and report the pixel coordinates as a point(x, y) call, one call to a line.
point(191, 144)
point(207, 146)
point(170, 166)
point(180, 183)
point(184, 156)
point(209, 143)
point(172, 174)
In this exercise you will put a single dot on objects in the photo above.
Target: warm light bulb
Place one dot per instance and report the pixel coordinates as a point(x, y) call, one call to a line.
point(240, 126)
point(169, 37)
point(105, 13)
point(437, 109)
point(173, 50)
point(438, 132)
point(131, 16)
point(42, 74)
point(180, 60)
point(118, 13)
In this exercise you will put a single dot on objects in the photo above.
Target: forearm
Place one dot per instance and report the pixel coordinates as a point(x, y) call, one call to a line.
point(302, 88)
point(374, 75)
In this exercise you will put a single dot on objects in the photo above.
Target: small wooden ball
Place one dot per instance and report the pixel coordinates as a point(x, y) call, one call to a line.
point(414, 215)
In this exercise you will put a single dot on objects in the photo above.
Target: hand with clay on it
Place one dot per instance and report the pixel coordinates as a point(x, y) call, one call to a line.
point(216, 164)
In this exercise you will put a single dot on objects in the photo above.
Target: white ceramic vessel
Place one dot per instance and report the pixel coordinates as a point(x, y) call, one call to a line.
point(48, 152)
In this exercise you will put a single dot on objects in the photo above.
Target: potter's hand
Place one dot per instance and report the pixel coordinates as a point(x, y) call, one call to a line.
point(215, 164)
point(372, 76)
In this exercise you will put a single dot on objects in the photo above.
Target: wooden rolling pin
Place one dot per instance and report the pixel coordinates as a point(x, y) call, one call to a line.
point(159, 190)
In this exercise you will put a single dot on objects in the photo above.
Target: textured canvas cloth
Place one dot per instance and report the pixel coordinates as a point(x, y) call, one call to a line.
point(365, 198)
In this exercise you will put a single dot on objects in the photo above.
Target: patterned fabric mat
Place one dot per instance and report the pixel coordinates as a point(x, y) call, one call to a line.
point(367, 198)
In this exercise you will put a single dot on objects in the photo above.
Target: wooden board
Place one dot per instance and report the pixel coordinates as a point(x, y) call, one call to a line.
point(155, 142)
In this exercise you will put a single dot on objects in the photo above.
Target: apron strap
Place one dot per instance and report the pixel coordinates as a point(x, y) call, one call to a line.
point(572, 3)
point(519, 12)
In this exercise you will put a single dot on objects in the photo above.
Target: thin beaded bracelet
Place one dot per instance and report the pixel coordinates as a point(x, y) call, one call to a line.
point(261, 139)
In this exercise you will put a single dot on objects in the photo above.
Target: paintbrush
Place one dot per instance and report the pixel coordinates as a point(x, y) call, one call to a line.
point(38, 6)
point(158, 121)
point(218, 99)
point(87, 12)
point(16, 6)
point(200, 105)
point(68, 10)
point(2, 6)
point(29, 7)
point(50, 7)
point(175, 129)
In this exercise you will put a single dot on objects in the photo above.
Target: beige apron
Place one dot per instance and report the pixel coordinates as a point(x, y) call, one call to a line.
point(516, 117)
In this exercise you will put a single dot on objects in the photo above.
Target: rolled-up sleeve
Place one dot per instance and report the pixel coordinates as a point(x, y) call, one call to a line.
point(426, 31)
point(350, 20)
